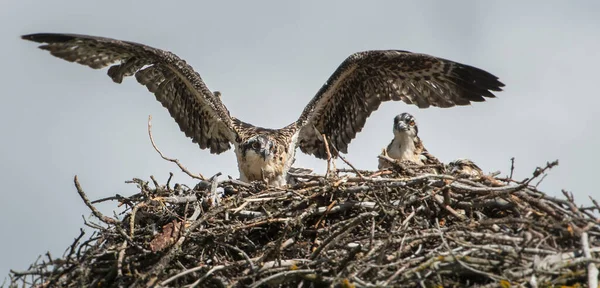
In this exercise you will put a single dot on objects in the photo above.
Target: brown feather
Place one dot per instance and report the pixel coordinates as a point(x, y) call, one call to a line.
point(199, 113)
point(366, 79)
point(420, 157)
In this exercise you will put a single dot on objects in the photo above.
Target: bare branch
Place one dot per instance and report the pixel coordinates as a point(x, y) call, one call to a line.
point(87, 202)
point(185, 170)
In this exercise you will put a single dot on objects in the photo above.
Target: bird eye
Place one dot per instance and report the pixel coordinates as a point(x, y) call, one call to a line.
point(255, 145)
point(411, 123)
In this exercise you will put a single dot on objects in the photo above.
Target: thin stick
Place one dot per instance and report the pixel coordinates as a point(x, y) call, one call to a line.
point(214, 269)
point(181, 274)
point(105, 219)
point(441, 234)
point(328, 155)
point(325, 213)
point(357, 220)
point(448, 208)
point(512, 167)
point(351, 166)
point(284, 274)
point(87, 202)
point(539, 171)
point(185, 170)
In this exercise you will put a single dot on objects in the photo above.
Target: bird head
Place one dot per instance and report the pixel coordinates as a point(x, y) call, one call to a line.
point(464, 168)
point(405, 125)
point(260, 145)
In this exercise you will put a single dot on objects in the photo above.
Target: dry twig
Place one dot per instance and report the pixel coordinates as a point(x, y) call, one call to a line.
point(185, 170)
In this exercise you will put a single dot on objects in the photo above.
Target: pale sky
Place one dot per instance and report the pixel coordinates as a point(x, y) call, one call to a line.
point(269, 58)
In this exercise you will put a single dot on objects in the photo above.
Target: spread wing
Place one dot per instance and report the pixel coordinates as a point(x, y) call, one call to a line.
point(199, 113)
point(366, 79)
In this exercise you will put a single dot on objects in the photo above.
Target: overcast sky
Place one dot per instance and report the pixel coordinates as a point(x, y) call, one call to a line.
point(269, 58)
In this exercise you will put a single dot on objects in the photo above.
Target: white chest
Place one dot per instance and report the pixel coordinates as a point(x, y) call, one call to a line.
point(253, 167)
point(403, 148)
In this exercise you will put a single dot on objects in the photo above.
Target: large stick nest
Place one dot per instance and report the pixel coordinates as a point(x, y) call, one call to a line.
point(345, 229)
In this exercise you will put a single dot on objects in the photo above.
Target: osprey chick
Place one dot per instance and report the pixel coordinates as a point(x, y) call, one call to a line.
point(406, 145)
point(339, 109)
point(464, 168)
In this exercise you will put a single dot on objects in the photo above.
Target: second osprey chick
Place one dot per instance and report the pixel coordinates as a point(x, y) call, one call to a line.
point(406, 145)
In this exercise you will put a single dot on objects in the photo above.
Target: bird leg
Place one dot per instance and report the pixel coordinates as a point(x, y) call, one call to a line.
point(326, 142)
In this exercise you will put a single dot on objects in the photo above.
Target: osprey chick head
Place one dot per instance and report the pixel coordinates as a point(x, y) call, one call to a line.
point(405, 125)
point(260, 145)
point(464, 168)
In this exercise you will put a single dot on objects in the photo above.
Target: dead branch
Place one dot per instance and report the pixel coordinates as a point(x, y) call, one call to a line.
point(183, 169)
point(87, 202)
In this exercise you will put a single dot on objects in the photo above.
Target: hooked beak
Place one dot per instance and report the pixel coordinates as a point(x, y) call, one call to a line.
point(264, 153)
point(401, 127)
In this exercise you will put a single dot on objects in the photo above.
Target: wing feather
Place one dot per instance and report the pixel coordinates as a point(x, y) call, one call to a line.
point(199, 113)
point(366, 79)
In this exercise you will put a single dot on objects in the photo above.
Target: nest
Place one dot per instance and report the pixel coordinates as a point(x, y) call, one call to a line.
point(345, 229)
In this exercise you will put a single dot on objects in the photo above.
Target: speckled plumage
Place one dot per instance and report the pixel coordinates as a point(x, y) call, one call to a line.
point(339, 110)
point(464, 168)
point(366, 79)
point(407, 146)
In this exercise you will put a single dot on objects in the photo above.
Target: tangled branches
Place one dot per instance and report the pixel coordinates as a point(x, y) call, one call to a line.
point(340, 230)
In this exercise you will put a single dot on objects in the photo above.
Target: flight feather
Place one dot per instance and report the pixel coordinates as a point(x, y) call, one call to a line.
point(366, 79)
point(199, 113)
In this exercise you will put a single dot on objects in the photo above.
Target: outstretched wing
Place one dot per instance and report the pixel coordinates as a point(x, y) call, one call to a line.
point(199, 113)
point(366, 79)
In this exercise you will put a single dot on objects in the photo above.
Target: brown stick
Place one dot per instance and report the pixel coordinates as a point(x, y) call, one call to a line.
point(185, 170)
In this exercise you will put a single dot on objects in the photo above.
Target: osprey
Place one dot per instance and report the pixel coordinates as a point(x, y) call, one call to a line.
point(339, 109)
point(406, 145)
point(464, 168)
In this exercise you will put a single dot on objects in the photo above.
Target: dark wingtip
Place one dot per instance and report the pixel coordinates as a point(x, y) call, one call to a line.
point(494, 83)
point(47, 37)
point(478, 83)
point(29, 37)
point(500, 85)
